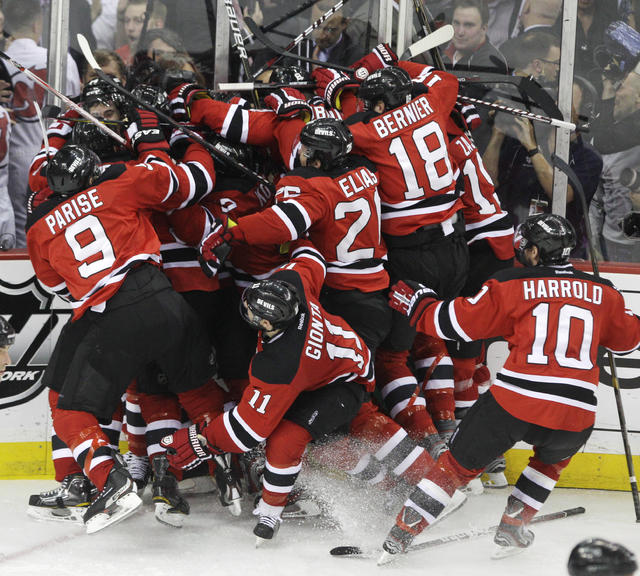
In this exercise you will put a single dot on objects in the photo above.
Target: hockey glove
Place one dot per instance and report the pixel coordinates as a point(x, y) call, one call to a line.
point(215, 248)
point(182, 97)
point(466, 116)
point(188, 447)
point(411, 299)
point(382, 56)
point(144, 132)
point(289, 103)
point(330, 84)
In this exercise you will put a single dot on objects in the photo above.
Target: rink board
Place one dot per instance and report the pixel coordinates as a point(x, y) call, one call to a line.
point(25, 425)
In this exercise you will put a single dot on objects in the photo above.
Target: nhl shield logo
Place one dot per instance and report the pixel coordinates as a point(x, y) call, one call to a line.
point(38, 318)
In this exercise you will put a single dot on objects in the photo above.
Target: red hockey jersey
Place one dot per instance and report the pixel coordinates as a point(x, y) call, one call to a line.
point(340, 211)
point(484, 218)
point(317, 350)
point(409, 145)
point(82, 246)
point(554, 319)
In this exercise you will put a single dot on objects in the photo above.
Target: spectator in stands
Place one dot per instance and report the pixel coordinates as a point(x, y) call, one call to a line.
point(111, 63)
point(332, 41)
point(24, 22)
point(616, 137)
point(502, 19)
point(535, 53)
point(470, 48)
point(538, 15)
point(518, 161)
point(593, 19)
point(133, 18)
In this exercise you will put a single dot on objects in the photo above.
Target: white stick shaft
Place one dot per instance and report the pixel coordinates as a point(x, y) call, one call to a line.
point(519, 112)
point(70, 103)
point(438, 38)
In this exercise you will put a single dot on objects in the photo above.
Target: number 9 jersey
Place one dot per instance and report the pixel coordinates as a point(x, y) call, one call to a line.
point(82, 245)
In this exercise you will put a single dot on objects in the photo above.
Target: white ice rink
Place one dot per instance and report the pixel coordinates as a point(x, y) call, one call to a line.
point(214, 543)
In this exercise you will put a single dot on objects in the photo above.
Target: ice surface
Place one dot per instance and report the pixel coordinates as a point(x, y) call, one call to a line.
point(212, 542)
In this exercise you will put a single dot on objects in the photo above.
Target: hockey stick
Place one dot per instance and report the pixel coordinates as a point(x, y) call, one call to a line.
point(246, 86)
point(519, 112)
point(45, 137)
point(289, 15)
point(86, 51)
point(282, 52)
point(579, 190)
point(459, 536)
point(239, 45)
point(426, 28)
point(431, 41)
point(67, 101)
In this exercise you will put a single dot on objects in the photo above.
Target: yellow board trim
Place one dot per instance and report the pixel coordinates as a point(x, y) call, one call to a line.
point(29, 460)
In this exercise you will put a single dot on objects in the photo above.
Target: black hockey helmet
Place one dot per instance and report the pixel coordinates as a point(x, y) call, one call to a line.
point(235, 151)
point(154, 95)
point(327, 140)
point(552, 234)
point(391, 85)
point(7, 333)
point(88, 135)
point(97, 91)
point(72, 169)
point(273, 300)
point(598, 557)
point(288, 74)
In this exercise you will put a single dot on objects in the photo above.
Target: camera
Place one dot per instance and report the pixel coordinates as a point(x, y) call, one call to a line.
point(620, 51)
point(631, 225)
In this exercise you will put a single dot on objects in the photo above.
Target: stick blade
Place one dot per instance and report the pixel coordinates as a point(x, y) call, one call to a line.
point(346, 551)
point(441, 36)
point(86, 52)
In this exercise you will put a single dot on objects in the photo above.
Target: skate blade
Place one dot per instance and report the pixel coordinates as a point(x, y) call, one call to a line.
point(494, 480)
point(124, 508)
point(69, 515)
point(262, 542)
point(168, 515)
point(234, 507)
point(301, 509)
point(500, 552)
point(475, 487)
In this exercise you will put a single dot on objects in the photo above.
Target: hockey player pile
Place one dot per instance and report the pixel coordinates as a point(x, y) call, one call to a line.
point(301, 284)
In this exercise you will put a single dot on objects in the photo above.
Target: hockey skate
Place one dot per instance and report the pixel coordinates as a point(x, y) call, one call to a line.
point(230, 492)
point(117, 501)
point(409, 524)
point(512, 535)
point(170, 507)
point(138, 467)
point(494, 476)
point(66, 503)
point(268, 523)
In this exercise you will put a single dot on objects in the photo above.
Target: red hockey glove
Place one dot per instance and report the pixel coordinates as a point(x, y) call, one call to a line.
point(289, 103)
point(182, 97)
point(330, 84)
point(144, 132)
point(411, 299)
point(382, 56)
point(188, 447)
point(215, 248)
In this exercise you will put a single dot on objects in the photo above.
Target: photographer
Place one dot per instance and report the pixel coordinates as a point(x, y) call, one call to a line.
point(616, 136)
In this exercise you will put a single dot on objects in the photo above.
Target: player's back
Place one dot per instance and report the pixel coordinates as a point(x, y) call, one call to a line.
point(342, 206)
point(409, 147)
point(91, 238)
